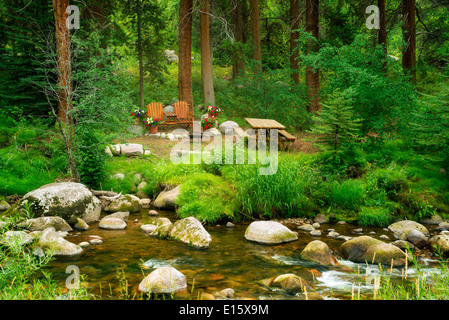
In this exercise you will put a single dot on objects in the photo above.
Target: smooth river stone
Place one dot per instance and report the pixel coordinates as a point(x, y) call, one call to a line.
point(269, 232)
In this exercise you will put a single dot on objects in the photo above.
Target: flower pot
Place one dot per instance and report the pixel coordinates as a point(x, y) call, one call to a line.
point(153, 129)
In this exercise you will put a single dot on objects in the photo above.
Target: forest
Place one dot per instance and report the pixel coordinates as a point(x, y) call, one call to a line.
point(360, 89)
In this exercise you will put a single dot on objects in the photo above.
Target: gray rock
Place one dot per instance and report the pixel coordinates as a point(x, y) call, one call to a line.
point(167, 199)
point(153, 213)
point(81, 225)
point(365, 249)
point(165, 280)
point(228, 125)
point(112, 224)
point(4, 205)
point(306, 227)
point(120, 215)
point(16, 238)
point(108, 151)
point(290, 283)
point(333, 235)
point(433, 220)
point(225, 293)
point(321, 218)
point(315, 233)
point(319, 252)
point(440, 243)
point(84, 244)
point(68, 200)
point(269, 232)
point(190, 231)
point(42, 223)
point(230, 225)
point(131, 149)
point(125, 203)
point(145, 203)
point(115, 149)
point(148, 228)
point(95, 241)
point(442, 226)
point(51, 241)
point(118, 176)
point(416, 237)
point(401, 228)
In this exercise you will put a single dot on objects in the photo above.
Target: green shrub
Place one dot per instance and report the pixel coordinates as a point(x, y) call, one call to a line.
point(91, 160)
point(206, 197)
point(348, 195)
point(374, 217)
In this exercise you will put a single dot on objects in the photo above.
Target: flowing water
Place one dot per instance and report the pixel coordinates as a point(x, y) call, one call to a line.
point(230, 262)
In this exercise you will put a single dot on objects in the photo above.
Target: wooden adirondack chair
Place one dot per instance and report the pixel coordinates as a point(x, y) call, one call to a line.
point(183, 114)
point(156, 110)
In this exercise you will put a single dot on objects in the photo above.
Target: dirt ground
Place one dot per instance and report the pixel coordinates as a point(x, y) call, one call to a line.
point(306, 143)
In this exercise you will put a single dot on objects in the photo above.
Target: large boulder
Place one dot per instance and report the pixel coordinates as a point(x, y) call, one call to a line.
point(161, 229)
point(319, 252)
point(163, 280)
point(167, 199)
point(367, 249)
point(42, 223)
point(4, 205)
point(440, 243)
point(269, 232)
point(190, 231)
point(400, 229)
point(68, 200)
point(228, 125)
point(51, 241)
point(124, 203)
point(120, 215)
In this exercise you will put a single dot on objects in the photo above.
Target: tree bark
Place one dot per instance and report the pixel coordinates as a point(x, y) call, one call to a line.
point(185, 52)
point(383, 27)
point(255, 30)
point(64, 60)
point(294, 25)
point(409, 31)
point(238, 68)
point(313, 77)
point(207, 78)
point(139, 48)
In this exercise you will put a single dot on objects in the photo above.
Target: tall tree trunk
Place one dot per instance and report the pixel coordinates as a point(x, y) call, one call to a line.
point(294, 25)
point(64, 60)
point(383, 29)
point(409, 54)
point(64, 94)
point(255, 30)
point(207, 78)
point(238, 68)
point(139, 48)
point(185, 52)
point(313, 77)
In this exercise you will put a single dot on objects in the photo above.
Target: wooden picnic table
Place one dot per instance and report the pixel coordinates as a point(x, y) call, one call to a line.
point(269, 124)
point(264, 124)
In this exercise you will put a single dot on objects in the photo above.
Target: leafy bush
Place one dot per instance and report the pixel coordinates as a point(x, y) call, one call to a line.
point(91, 160)
point(207, 197)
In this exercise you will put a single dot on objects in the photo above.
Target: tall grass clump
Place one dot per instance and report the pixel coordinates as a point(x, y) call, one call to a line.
point(290, 192)
point(374, 217)
point(347, 195)
point(208, 198)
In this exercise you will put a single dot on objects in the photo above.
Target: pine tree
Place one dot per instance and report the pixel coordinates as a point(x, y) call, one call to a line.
point(336, 125)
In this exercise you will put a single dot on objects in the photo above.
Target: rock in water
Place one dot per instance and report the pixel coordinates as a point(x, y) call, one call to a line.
point(163, 280)
point(269, 232)
point(112, 224)
point(290, 283)
point(190, 231)
point(167, 199)
point(440, 243)
point(68, 200)
point(367, 249)
point(16, 238)
point(124, 203)
point(401, 228)
point(319, 252)
point(51, 241)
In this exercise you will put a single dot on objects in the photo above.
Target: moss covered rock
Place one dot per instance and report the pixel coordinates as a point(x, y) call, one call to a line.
point(319, 252)
point(124, 203)
point(167, 199)
point(190, 231)
point(68, 200)
point(165, 280)
point(367, 249)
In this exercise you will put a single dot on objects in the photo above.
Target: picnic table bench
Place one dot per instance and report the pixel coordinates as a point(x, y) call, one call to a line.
point(285, 138)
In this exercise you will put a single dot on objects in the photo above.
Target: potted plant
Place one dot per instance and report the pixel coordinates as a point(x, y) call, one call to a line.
point(152, 124)
point(208, 123)
point(213, 111)
point(138, 114)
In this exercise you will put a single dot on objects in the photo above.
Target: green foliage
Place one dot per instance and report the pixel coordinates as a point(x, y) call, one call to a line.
point(267, 96)
point(91, 160)
point(348, 194)
point(292, 192)
point(374, 217)
point(207, 197)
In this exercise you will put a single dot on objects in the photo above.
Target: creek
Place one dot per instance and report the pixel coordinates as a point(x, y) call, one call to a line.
point(231, 261)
